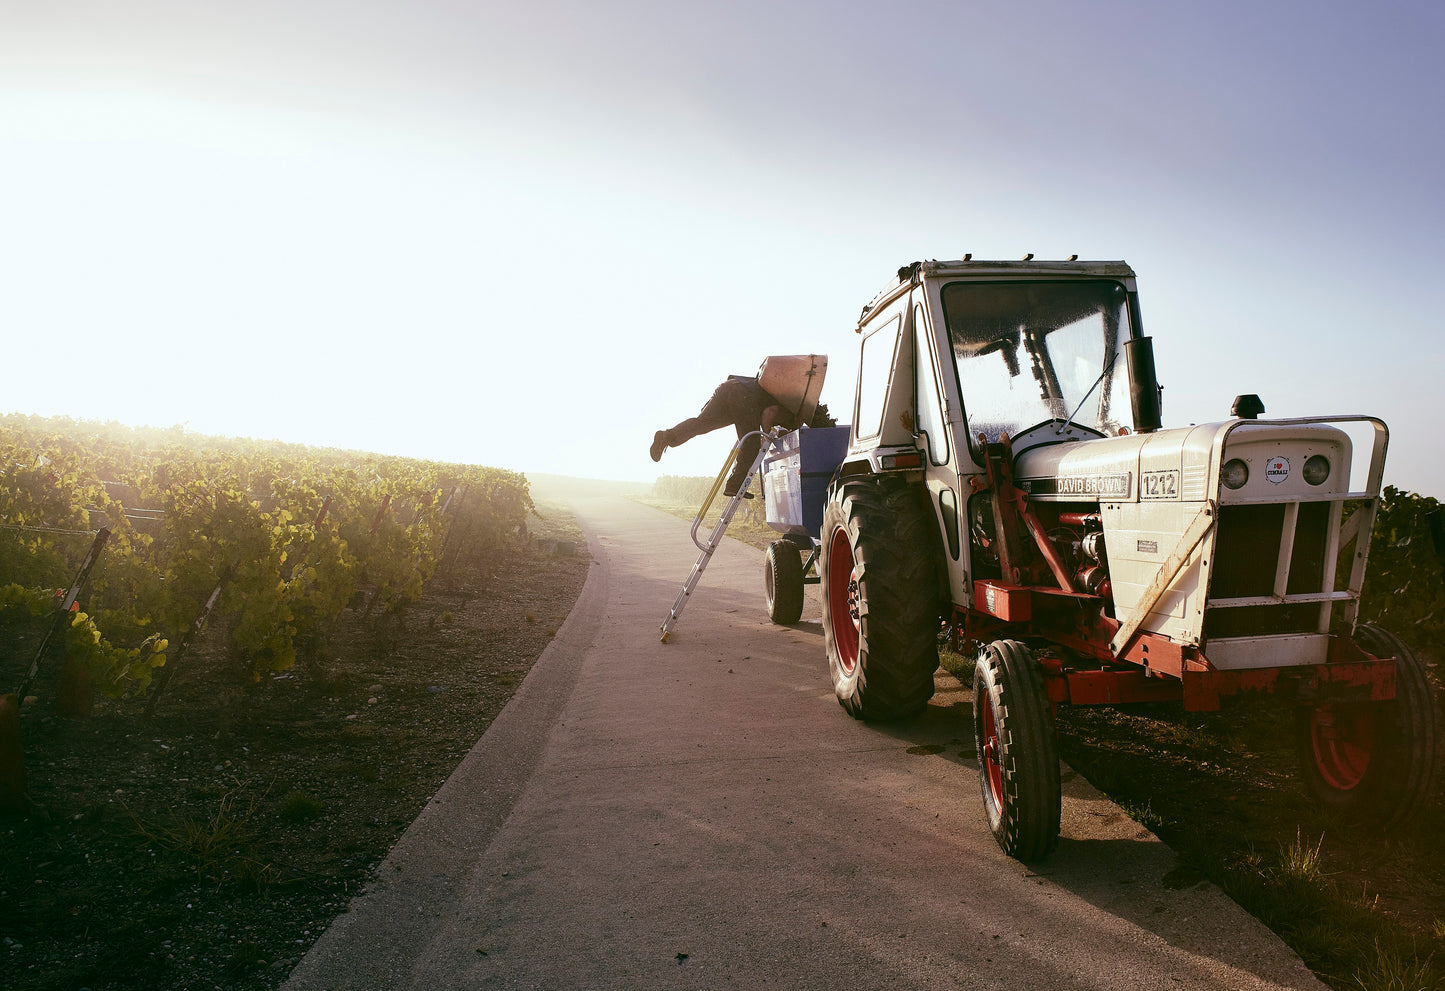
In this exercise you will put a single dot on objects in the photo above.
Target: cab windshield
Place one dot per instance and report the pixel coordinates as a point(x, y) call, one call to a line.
point(1033, 352)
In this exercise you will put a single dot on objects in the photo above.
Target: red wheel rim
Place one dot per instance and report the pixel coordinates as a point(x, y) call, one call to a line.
point(843, 599)
point(1342, 739)
point(992, 768)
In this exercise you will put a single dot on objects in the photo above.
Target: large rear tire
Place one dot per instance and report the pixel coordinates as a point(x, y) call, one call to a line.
point(783, 582)
point(1018, 755)
point(879, 564)
point(1373, 762)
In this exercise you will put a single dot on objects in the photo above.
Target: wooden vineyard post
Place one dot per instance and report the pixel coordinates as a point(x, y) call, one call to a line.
point(195, 628)
point(442, 562)
point(385, 504)
point(12, 751)
point(375, 524)
point(62, 610)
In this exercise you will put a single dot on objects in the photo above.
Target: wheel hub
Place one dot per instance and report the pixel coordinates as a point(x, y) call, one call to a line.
point(993, 770)
point(1343, 742)
point(845, 599)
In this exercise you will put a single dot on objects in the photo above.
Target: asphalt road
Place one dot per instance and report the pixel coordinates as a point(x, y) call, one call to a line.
point(702, 814)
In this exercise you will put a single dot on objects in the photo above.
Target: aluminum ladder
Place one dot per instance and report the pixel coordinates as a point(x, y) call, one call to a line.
point(720, 528)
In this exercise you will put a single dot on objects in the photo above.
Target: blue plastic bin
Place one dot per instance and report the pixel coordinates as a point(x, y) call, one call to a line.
point(796, 473)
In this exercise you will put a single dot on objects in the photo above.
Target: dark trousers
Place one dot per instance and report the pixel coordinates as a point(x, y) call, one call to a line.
point(737, 402)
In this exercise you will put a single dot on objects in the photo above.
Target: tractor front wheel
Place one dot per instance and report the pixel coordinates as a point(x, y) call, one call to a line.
point(1373, 761)
point(1018, 756)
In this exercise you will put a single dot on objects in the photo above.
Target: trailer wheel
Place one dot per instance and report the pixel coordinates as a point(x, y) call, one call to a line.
point(1373, 761)
point(783, 580)
point(880, 597)
point(1018, 755)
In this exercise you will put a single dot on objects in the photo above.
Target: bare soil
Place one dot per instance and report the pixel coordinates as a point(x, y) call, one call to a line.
point(209, 846)
point(1225, 786)
point(1223, 790)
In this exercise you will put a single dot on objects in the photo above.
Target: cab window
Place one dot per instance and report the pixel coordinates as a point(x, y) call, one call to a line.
point(875, 368)
point(1033, 352)
point(930, 408)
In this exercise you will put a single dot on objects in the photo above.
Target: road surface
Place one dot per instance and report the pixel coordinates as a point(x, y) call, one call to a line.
point(702, 814)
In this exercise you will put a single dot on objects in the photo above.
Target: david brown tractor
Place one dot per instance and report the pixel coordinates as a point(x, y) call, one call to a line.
point(1006, 472)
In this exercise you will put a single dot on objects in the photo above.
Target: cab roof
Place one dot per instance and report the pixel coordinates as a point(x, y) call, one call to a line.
point(914, 273)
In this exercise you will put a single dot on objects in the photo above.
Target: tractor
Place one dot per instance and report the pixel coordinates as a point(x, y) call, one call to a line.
point(1007, 480)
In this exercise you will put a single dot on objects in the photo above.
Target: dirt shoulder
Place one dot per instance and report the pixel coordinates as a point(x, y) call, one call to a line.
point(211, 845)
point(1363, 908)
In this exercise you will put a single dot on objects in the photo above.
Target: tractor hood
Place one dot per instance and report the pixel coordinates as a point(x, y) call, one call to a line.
point(1175, 465)
point(1166, 464)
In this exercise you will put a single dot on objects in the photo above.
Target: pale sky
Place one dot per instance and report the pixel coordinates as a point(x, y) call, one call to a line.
point(530, 234)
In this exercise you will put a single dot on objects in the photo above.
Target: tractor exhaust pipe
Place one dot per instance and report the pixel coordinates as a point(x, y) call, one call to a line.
point(1143, 385)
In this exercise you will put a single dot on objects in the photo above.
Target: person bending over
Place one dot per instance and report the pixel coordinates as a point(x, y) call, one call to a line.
point(745, 405)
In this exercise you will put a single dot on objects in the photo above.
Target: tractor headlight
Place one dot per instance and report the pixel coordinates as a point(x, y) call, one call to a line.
point(1234, 474)
point(1317, 469)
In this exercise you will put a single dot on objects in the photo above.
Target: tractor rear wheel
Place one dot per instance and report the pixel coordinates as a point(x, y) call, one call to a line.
point(783, 581)
point(878, 564)
point(1018, 755)
point(1373, 761)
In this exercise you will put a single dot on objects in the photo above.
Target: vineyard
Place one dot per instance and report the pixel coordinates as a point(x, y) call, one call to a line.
point(270, 542)
point(276, 656)
point(1405, 584)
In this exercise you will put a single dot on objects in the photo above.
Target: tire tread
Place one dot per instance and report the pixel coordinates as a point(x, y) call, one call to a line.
point(1027, 825)
point(894, 540)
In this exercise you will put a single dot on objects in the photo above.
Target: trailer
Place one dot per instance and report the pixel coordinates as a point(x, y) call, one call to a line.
point(797, 470)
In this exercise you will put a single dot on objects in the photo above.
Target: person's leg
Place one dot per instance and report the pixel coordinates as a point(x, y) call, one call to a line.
point(719, 411)
point(746, 454)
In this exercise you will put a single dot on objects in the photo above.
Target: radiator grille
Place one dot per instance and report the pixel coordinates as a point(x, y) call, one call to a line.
point(1246, 555)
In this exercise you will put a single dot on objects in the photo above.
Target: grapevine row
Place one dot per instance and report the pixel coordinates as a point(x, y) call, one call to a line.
point(272, 541)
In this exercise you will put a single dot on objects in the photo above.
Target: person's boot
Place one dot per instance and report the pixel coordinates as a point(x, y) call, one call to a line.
point(731, 486)
point(659, 444)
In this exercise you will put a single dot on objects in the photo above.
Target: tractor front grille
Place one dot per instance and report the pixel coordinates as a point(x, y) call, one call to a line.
point(1246, 557)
